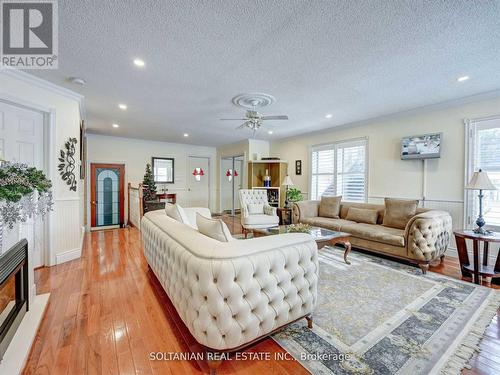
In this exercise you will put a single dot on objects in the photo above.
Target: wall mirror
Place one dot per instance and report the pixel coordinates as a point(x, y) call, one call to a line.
point(163, 170)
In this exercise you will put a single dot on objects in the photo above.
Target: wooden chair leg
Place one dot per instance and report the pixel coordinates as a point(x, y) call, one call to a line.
point(424, 267)
point(309, 321)
point(213, 365)
point(442, 258)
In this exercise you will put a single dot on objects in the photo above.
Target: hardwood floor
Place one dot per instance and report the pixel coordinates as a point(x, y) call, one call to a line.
point(107, 313)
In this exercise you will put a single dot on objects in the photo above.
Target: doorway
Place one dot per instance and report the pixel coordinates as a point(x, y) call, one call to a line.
point(107, 195)
point(198, 181)
point(231, 183)
point(22, 141)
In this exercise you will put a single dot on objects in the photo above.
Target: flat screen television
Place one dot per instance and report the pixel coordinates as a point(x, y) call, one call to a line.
point(427, 146)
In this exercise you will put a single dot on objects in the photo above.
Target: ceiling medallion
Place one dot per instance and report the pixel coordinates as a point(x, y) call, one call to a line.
point(253, 100)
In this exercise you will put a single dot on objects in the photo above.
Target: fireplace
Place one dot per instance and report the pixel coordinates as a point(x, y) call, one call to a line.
point(13, 291)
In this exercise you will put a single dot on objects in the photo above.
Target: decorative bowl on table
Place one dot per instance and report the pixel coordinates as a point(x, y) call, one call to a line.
point(298, 228)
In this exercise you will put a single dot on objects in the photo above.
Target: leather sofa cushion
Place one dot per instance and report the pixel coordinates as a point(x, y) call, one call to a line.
point(330, 207)
point(259, 219)
point(328, 223)
point(176, 212)
point(362, 215)
point(255, 208)
point(377, 233)
point(213, 228)
point(398, 212)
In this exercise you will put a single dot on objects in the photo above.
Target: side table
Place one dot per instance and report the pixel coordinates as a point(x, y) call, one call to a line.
point(477, 269)
point(285, 215)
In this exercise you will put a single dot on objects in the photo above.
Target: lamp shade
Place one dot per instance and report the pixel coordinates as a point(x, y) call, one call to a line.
point(480, 181)
point(287, 181)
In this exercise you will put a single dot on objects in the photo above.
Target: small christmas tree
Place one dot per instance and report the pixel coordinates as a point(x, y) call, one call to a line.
point(148, 184)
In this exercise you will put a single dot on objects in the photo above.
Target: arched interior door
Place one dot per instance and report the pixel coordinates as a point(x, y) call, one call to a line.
point(107, 195)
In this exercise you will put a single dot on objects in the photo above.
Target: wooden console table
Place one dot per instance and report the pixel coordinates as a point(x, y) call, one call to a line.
point(477, 269)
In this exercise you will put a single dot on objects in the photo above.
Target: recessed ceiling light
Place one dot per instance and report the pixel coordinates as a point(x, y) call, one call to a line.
point(329, 115)
point(186, 135)
point(270, 132)
point(463, 78)
point(122, 106)
point(116, 126)
point(139, 62)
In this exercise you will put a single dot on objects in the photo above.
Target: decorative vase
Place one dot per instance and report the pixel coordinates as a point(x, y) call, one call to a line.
point(267, 179)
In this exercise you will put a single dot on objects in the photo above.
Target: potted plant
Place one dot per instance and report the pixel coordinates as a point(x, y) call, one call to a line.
point(25, 192)
point(294, 195)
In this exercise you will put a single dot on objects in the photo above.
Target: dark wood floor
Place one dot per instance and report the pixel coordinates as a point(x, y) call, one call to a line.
point(107, 312)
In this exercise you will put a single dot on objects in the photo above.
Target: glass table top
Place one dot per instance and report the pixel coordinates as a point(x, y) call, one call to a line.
point(319, 234)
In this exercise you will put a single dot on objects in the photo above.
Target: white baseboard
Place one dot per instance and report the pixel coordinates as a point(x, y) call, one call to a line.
point(68, 255)
point(19, 348)
point(452, 252)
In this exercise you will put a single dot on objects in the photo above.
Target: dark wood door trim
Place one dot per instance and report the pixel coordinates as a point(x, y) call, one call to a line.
point(93, 168)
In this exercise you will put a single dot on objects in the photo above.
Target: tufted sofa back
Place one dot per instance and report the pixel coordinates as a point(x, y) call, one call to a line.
point(253, 196)
point(231, 293)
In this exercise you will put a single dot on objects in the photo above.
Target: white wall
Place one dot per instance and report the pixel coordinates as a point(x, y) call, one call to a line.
point(66, 220)
point(388, 175)
point(136, 153)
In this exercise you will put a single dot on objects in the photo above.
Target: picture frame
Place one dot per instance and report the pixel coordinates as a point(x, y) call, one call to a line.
point(298, 167)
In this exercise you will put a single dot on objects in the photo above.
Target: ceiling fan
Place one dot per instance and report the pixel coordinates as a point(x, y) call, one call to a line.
point(253, 120)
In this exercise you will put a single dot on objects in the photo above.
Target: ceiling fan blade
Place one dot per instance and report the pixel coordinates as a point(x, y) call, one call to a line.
point(233, 119)
point(242, 125)
point(280, 117)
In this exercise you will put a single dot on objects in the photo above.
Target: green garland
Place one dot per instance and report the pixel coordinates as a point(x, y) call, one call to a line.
point(18, 180)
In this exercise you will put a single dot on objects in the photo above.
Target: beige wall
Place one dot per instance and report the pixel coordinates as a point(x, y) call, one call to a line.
point(136, 153)
point(388, 174)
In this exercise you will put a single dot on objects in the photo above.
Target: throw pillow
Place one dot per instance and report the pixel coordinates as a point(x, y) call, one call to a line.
point(330, 207)
point(398, 212)
point(213, 228)
point(176, 212)
point(362, 215)
point(254, 208)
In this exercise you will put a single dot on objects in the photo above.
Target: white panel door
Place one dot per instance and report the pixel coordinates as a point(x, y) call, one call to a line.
point(21, 140)
point(198, 186)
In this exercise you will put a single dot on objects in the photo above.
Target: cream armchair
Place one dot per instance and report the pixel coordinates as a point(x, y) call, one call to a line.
point(256, 211)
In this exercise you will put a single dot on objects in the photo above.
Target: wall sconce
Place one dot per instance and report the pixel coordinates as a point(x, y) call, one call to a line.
point(230, 173)
point(197, 173)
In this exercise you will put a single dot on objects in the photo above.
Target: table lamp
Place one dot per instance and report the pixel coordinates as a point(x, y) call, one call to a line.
point(287, 182)
point(480, 181)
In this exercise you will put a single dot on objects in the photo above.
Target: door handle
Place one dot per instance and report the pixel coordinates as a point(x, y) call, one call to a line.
point(94, 202)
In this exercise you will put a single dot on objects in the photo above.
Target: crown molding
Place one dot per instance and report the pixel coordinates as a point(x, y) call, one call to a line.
point(46, 85)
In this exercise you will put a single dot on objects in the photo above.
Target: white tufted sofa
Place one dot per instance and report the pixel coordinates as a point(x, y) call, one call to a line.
point(267, 217)
point(230, 294)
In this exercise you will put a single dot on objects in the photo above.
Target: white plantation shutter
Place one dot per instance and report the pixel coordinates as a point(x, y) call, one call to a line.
point(339, 169)
point(485, 154)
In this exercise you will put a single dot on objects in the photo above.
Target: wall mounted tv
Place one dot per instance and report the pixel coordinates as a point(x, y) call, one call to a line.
point(427, 146)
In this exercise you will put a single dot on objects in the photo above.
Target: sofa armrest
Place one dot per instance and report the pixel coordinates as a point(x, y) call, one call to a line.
point(304, 209)
point(271, 211)
point(427, 235)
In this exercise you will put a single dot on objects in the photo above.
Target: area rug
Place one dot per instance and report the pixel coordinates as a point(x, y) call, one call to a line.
point(376, 316)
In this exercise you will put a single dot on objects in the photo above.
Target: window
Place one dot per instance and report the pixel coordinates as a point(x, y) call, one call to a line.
point(339, 169)
point(484, 153)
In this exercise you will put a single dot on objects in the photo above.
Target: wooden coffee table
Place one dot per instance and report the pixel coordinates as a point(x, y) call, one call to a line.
point(322, 236)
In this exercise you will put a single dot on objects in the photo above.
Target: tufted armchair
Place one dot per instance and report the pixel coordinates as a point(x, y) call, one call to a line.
point(231, 294)
point(256, 211)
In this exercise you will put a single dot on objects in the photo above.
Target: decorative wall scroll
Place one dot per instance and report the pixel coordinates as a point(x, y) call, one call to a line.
point(67, 163)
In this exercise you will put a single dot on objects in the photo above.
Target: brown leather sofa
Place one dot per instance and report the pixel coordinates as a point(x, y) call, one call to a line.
point(423, 240)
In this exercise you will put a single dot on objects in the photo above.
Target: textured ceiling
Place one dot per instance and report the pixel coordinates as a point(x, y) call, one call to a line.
point(353, 59)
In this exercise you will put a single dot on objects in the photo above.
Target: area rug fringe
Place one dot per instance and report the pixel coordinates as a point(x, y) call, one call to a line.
point(470, 344)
